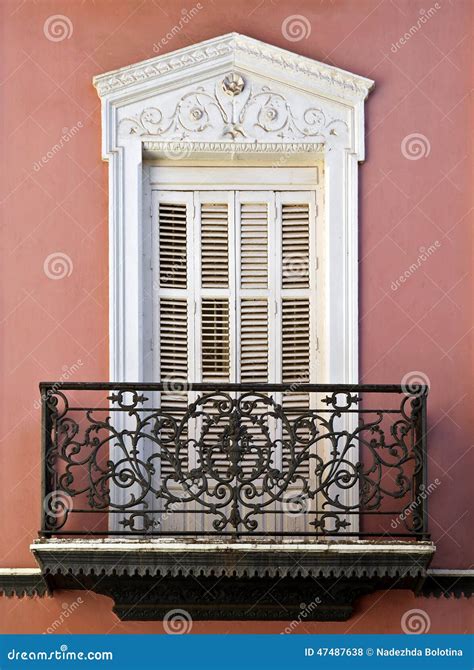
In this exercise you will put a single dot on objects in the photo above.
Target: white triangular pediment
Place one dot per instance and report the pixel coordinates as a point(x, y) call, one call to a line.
point(234, 89)
point(235, 50)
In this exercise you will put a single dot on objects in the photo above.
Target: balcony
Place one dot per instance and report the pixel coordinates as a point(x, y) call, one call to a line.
point(244, 483)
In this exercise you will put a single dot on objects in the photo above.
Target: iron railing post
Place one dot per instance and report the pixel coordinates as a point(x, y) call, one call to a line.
point(46, 427)
point(424, 457)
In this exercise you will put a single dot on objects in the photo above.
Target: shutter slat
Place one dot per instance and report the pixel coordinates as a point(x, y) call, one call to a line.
point(214, 245)
point(253, 365)
point(174, 367)
point(295, 365)
point(215, 339)
point(173, 339)
point(253, 245)
point(254, 340)
point(295, 245)
point(172, 228)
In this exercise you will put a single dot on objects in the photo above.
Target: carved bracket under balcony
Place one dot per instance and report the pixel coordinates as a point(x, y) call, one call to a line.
point(146, 578)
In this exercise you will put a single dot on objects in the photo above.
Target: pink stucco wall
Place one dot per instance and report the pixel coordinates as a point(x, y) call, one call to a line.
point(408, 202)
point(79, 612)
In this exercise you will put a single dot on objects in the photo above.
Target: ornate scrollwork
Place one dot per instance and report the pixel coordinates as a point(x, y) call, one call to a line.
point(237, 111)
point(236, 457)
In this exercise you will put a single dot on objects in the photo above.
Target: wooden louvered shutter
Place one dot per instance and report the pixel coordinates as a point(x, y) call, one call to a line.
point(172, 284)
point(253, 218)
point(237, 290)
point(297, 274)
point(172, 272)
point(253, 211)
point(215, 314)
point(254, 346)
point(213, 286)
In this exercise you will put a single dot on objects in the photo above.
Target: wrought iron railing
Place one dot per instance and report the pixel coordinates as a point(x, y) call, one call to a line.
point(266, 460)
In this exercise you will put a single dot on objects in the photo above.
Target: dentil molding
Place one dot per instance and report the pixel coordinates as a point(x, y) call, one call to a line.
point(234, 45)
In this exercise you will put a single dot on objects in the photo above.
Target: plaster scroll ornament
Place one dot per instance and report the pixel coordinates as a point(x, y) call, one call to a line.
point(236, 109)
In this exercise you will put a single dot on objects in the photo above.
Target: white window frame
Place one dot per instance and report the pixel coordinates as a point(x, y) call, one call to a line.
point(232, 98)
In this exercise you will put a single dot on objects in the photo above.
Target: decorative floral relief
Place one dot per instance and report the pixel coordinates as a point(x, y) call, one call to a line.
point(247, 116)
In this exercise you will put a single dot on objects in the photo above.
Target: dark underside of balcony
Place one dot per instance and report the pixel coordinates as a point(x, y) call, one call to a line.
point(220, 580)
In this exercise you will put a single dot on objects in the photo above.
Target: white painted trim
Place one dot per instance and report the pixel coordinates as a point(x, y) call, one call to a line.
point(164, 546)
point(446, 572)
point(310, 108)
point(20, 572)
point(234, 49)
point(231, 178)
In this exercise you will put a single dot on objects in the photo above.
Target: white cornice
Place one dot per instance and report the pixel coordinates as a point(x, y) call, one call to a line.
point(235, 49)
